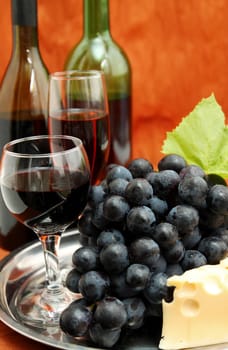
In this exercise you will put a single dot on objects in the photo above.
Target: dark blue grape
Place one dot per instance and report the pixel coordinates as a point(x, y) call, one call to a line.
point(118, 172)
point(165, 234)
point(120, 288)
point(156, 288)
point(110, 313)
point(221, 232)
point(192, 259)
point(85, 224)
point(144, 251)
point(98, 219)
point(86, 259)
point(108, 236)
point(118, 187)
point(138, 192)
point(105, 338)
point(72, 280)
point(159, 266)
point(115, 208)
point(214, 249)
point(158, 206)
point(175, 253)
point(140, 167)
point(174, 269)
point(137, 275)
point(164, 183)
point(114, 257)
point(93, 285)
point(136, 311)
point(96, 195)
point(193, 190)
point(140, 220)
point(172, 162)
point(210, 220)
point(217, 199)
point(184, 217)
point(75, 320)
point(192, 238)
point(192, 170)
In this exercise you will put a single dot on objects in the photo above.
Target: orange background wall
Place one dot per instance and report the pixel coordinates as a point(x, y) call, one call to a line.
point(178, 51)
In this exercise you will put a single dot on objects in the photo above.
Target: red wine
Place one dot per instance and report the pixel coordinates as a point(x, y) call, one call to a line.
point(121, 142)
point(16, 125)
point(45, 200)
point(92, 127)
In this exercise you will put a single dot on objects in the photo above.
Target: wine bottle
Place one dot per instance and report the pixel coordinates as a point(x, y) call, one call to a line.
point(98, 50)
point(23, 102)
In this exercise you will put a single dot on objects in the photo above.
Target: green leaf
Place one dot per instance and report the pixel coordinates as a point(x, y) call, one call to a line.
point(202, 138)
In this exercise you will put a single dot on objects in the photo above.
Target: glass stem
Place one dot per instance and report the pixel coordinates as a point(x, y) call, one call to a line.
point(50, 245)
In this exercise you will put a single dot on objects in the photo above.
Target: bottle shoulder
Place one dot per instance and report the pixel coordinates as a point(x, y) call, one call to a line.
point(99, 53)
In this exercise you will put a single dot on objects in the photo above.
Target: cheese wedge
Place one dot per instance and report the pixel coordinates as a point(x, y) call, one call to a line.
point(198, 314)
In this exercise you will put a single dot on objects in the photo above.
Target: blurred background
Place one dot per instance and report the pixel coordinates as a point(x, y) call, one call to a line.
point(178, 51)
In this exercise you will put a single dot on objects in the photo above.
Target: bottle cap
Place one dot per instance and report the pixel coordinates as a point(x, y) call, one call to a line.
point(24, 12)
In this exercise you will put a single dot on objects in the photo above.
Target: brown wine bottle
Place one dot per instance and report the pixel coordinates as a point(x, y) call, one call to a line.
point(97, 50)
point(23, 102)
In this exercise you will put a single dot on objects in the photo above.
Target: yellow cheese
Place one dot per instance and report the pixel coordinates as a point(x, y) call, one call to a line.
point(198, 314)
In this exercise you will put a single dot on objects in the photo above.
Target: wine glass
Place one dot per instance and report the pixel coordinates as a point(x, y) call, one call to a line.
point(78, 106)
point(45, 182)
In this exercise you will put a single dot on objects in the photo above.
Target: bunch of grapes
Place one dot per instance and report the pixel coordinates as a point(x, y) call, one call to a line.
point(140, 227)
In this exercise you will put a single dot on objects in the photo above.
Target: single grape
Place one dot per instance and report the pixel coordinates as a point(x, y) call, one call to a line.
point(172, 162)
point(114, 257)
point(72, 280)
point(193, 191)
point(193, 259)
point(184, 217)
point(118, 187)
point(110, 313)
point(108, 236)
point(158, 206)
point(98, 219)
point(75, 320)
point(105, 338)
point(86, 259)
point(96, 195)
point(118, 172)
point(165, 234)
point(120, 288)
point(174, 269)
point(192, 238)
point(93, 285)
point(144, 251)
point(138, 192)
point(192, 170)
point(175, 253)
point(137, 275)
point(140, 167)
point(210, 220)
point(214, 249)
point(136, 311)
point(85, 224)
point(164, 183)
point(217, 199)
point(115, 208)
point(140, 220)
point(156, 288)
point(159, 266)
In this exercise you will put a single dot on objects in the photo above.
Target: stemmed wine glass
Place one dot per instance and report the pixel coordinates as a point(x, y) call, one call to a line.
point(78, 106)
point(45, 181)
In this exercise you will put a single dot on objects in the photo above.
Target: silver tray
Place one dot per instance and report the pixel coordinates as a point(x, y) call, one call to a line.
point(25, 265)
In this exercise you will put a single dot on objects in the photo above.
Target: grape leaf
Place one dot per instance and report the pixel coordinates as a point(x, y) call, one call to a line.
point(202, 138)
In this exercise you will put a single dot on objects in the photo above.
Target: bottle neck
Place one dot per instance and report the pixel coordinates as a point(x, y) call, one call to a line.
point(96, 18)
point(24, 38)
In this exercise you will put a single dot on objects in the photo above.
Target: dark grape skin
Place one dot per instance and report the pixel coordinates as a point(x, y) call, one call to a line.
point(114, 257)
point(93, 285)
point(86, 259)
point(118, 187)
point(140, 167)
point(164, 183)
point(115, 208)
point(137, 275)
point(138, 192)
point(110, 313)
point(174, 269)
point(144, 251)
point(192, 238)
point(118, 172)
point(156, 288)
point(192, 170)
point(85, 223)
point(193, 191)
point(96, 195)
point(184, 217)
point(108, 236)
point(193, 259)
point(75, 320)
point(165, 234)
point(214, 249)
point(136, 311)
point(140, 220)
point(172, 162)
point(72, 280)
point(217, 199)
point(104, 337)
point(175, 253)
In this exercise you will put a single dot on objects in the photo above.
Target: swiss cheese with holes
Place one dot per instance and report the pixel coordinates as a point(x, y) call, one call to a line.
point(198, 313)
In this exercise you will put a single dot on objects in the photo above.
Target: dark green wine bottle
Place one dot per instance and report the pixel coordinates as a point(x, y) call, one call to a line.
point(98, 50)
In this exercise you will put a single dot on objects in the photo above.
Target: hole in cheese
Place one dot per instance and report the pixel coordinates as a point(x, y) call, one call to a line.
point(212, 285)
point(190, 308)
point(187, 290)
